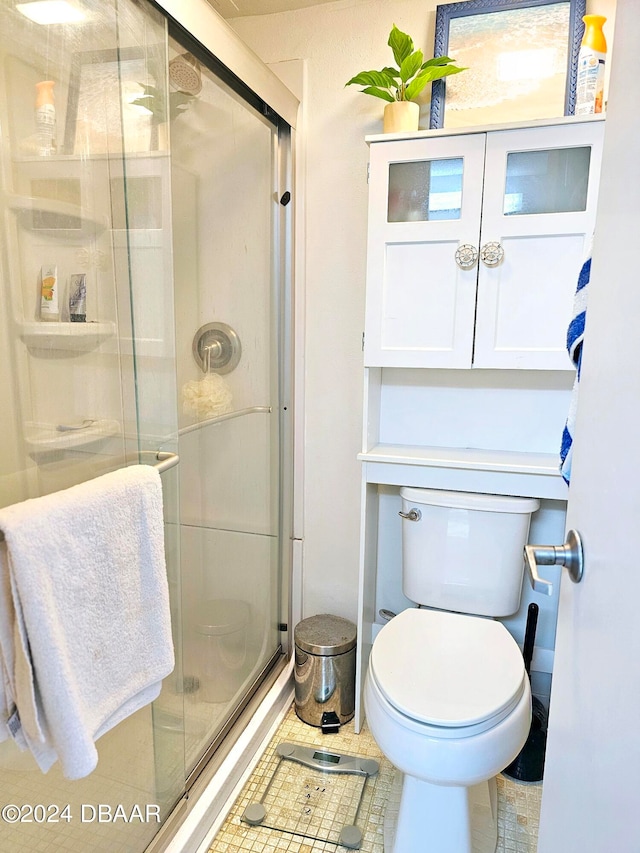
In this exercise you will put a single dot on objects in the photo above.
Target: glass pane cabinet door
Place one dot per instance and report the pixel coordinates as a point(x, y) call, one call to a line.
point(549, 181)
point(425, 197)
point(537, 222)
point(425, 190)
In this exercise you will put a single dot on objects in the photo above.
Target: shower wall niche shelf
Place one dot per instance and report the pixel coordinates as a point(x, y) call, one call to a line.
point(44, 337)
point(47, 438)
point(42, 214)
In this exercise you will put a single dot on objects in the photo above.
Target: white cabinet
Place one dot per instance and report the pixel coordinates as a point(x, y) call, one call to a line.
point(475, 245)
point(531, 192)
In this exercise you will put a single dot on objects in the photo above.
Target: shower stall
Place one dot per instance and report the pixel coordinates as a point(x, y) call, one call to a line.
point(144, 271)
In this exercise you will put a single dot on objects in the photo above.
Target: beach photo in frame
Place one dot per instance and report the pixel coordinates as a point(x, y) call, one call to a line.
point(521, 58)
point(102, 115)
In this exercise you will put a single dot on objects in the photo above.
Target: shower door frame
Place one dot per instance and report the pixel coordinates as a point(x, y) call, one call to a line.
point(282, 300)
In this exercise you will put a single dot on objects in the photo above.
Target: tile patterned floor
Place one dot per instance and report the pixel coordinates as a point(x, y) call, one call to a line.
point(518, 803)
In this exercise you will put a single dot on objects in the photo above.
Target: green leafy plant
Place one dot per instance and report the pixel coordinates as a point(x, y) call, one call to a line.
point(153, 100)
point(405, 82)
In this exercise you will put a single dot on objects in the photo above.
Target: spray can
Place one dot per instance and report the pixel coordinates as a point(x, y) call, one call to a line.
point(591, 60)
point(45, 118)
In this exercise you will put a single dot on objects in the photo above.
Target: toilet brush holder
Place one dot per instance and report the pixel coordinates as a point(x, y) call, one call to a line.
point(528, 765)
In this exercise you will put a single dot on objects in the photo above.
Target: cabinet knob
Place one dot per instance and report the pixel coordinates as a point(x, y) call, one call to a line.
point(491, 254)
point(466, 256)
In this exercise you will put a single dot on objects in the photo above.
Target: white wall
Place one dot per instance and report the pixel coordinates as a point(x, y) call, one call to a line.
point(337, 40)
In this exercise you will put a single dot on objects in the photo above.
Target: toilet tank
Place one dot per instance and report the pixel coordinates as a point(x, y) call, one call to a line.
point(464, 552)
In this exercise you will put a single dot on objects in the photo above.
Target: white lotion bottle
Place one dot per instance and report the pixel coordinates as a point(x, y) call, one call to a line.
point(49, 303)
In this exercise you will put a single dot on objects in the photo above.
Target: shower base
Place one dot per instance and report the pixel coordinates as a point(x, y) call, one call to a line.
point(313, 792)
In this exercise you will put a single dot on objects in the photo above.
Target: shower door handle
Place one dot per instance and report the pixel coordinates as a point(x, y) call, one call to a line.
point(569, 555)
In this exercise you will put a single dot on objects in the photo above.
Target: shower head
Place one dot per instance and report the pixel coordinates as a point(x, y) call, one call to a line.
point(185, 75)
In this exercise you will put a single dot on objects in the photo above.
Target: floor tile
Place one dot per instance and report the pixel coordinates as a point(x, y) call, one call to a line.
point(518, 803)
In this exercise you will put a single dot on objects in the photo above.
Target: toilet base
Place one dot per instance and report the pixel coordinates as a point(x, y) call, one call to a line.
point(425, 818)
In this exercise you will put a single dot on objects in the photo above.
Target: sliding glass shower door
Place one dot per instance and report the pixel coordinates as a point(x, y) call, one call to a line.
point(226, 213)
point(85, 189)
point(158, 186)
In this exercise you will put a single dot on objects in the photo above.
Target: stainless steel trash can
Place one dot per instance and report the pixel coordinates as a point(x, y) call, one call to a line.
point(325, 668)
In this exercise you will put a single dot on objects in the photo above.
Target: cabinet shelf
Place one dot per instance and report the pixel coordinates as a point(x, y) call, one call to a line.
point(467, 469)
point(463, 457)
point(65, 337)
point(46, 438)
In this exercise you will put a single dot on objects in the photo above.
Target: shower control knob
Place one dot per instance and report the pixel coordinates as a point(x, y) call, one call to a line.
point(412, 515)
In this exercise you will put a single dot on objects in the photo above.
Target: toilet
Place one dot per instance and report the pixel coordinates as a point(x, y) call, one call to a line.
point(223, 628)
point(446, 694)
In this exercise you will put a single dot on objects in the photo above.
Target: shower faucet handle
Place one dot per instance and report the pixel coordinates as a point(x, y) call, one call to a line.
point(569, 555)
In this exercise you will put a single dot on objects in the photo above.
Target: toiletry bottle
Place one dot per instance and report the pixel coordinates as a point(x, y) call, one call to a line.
point(78, 298)
point(45, 118)
point(591, 60)
point(49, 309)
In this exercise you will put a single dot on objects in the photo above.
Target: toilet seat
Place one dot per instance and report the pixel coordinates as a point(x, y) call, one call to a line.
point(448, 671)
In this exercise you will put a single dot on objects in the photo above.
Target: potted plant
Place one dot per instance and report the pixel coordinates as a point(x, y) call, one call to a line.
point(153, 100)
point(400, 86)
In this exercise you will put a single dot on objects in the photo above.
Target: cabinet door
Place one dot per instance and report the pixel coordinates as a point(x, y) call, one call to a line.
point(539, 205)
point(425, 197)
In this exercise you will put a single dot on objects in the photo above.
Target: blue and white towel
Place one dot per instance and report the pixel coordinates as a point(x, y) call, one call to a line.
point(575, 340)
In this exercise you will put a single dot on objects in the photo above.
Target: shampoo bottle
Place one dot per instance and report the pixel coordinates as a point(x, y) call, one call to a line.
point(45, 118)
point(591, 60)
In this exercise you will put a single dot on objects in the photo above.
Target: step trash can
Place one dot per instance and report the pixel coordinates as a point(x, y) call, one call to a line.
point(325, 671)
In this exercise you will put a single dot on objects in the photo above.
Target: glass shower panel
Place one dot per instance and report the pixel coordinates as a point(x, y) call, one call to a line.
point(224, 219)
point(88, 197)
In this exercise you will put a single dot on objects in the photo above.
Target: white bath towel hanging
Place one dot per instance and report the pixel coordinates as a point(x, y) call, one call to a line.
point(85, 633)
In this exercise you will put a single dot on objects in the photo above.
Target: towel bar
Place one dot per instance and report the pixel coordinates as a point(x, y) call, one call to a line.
point(165, 460)
point(226, 417)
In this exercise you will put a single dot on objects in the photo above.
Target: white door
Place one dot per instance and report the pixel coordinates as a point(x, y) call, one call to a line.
point(425, 197)
point(591, 793)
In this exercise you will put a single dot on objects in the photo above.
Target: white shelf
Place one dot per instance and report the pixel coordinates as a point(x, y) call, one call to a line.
point(47, 438)
point(462, 457)
point(481, 128)
point(467, 469)
point(63, 216)
point(65, 337)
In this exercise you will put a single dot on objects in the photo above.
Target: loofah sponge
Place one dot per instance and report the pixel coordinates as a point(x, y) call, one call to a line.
point(206, 398)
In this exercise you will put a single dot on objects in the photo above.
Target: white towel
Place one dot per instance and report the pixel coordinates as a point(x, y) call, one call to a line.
point(85, 631)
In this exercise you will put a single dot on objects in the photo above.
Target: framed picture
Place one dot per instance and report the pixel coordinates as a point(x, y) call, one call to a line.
point(521, 58)
point(102, 113)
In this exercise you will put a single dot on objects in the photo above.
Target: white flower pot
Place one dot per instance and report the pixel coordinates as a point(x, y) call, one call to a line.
point(401, 117)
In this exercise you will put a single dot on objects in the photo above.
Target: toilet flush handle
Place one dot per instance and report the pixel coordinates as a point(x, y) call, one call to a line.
point(569, 555)
point(413, 514)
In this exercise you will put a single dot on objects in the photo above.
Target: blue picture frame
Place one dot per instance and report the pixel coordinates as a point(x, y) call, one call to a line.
point(445, 14)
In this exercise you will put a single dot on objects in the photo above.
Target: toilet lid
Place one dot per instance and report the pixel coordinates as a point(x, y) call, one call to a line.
point(445, 669)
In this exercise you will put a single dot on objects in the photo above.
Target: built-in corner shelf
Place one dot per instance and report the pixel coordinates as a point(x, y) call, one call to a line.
point(42, 214)
point(466, 469)
point(48, 438)
point(44, 337)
